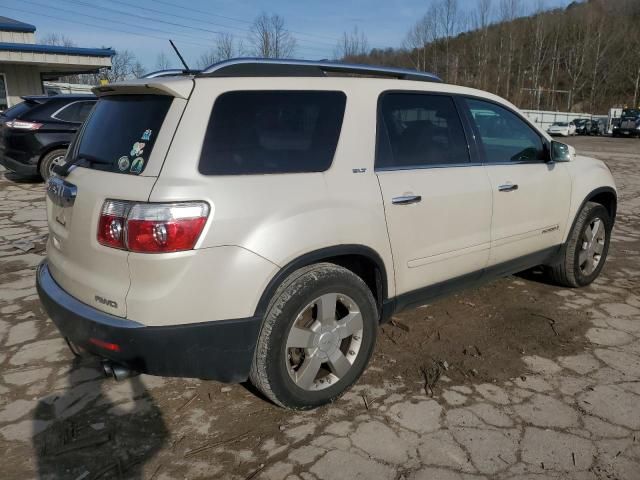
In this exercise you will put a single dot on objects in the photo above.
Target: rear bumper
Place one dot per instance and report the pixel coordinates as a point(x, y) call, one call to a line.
point(220, 350)
point(20, 167)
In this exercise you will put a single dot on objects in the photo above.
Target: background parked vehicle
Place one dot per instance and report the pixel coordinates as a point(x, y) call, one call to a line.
point(581, 126)
point(596, 127)
point(564, 129)
point(629, 123)
point(35, 134)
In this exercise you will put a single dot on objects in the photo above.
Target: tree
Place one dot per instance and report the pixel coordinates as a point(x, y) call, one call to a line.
point(225, 48)
point(352, 44)
point(509, 11)
point(481, 19)
point(163, 62)
point(270, 39)
point(448, 19)
point(57, 39)
point(421, 40)
point(124, 65)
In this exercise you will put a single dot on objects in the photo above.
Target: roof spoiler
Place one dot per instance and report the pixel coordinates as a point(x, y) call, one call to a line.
point(180, 87)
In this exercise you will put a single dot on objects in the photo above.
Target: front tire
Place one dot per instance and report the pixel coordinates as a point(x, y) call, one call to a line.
point(586, 248)
point(317, 337)
point(51, 159)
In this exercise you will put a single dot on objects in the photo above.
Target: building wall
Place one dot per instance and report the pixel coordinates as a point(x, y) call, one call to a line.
point(17, 37)
point(21, 80)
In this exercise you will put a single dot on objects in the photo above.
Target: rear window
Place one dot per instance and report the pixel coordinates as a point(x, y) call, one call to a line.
point(262, 132)
point(19, 109)
point(120, 132)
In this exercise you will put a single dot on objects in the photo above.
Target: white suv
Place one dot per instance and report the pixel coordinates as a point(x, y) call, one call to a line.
point(260, 219)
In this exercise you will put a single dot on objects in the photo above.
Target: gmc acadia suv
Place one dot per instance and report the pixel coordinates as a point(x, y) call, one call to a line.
point(259, 219)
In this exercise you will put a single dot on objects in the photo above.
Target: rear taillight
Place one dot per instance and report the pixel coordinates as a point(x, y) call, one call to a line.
point(151, 227)
point(22, 125)
point(112, 223)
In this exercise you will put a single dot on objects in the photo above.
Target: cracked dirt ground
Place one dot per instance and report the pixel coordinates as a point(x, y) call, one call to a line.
point(541, 382)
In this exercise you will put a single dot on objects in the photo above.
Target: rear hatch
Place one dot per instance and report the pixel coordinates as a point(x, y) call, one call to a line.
point(14, 113)
point(117, 154)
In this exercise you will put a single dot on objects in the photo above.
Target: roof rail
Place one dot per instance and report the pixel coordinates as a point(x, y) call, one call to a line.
point(169, 73)
point(269, 67)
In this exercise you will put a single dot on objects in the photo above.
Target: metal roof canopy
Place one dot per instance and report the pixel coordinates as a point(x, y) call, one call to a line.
point(55, 49)
point(10, 25)
point(266, 67)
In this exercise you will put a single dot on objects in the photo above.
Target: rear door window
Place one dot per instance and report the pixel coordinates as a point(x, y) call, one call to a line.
point(262, 132)
point(120, 132)
point(417, 130)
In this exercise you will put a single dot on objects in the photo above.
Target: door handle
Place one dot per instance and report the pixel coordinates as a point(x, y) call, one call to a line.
point(508, 187)
point(406, 199)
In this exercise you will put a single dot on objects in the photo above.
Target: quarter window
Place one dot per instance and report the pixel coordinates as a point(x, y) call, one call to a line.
point(262, 132)
point(505, 137)
point(419, 130)
point(75, 112)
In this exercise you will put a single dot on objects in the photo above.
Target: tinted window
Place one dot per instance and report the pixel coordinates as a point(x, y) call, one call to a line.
point(19, 109)
point(75, 112)
point(505, 137)
point(418, 130)
point(272, 132)
point(120, 133)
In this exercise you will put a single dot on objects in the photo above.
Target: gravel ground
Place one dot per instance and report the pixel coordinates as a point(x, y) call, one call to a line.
point(540, 382)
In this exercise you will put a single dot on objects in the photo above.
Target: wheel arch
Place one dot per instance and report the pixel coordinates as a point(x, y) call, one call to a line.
point(605, 196)
point(359, 259)
point(50, 148)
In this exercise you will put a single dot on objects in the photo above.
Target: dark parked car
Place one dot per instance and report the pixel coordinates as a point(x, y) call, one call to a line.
point(596, 127)
point(581, 126)
point(35, 134)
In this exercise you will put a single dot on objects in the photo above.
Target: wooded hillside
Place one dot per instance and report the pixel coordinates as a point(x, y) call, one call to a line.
point(582, 58)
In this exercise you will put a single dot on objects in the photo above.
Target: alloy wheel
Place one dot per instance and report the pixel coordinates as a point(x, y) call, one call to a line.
point(324, 341)
point(593, 241)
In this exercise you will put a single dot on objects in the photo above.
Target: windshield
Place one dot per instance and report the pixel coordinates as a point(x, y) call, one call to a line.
point(631, 112)
point(120, 133)
point(560, 124)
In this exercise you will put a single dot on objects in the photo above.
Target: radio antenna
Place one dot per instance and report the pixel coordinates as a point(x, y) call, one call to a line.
point(186, 67)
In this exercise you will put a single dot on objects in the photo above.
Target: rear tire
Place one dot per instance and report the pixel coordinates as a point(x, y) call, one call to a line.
point(335, 318)
point(586, 249)
point(54, 157)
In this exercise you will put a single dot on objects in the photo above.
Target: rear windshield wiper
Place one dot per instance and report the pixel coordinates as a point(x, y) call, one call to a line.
point(63, 170)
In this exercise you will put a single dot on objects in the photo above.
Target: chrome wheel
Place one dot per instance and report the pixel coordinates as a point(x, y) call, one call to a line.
point(593, 241)
point(324, 341)
point(58, 160)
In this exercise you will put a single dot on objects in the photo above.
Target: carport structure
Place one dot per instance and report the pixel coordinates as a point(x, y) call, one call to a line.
point(24, 64)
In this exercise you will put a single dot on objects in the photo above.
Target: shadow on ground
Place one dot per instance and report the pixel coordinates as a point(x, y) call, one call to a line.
point(90, 436)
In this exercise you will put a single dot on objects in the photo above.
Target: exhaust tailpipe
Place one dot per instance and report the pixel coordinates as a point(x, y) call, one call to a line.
point(119, 372)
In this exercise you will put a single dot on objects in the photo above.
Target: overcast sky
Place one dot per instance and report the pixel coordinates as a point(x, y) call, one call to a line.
point(142, 26)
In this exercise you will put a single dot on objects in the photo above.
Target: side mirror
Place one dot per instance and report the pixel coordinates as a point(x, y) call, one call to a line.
point(561, 152)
